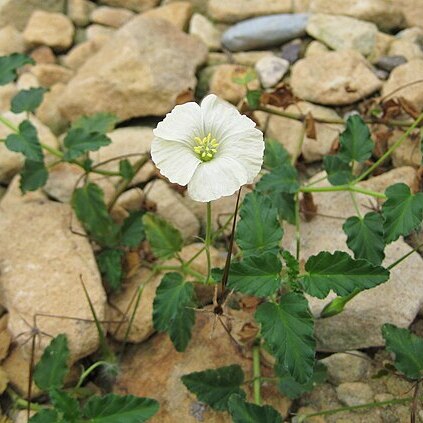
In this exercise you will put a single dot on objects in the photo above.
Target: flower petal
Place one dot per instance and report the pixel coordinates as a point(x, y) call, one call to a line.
point(217, 178)
point(175, 160)
point(182, 124)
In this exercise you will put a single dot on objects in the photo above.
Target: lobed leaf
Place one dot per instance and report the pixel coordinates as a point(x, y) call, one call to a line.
point(340, 273)
point(287, 328)
point(45, 416)
point(27, 100)
point(338, 171)
point(100, 123)
point(126, 169)
point(283, 179)
point(10, 64)
point(26, 142)
point(110, 264)
point(78, 141)
point(65, 404)
point(275, 155)
point(245, 412)
point(132, 231)
point(215, 386)
point(34, 175)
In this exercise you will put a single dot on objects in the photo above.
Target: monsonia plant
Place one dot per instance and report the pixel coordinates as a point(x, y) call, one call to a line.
point(215, 151)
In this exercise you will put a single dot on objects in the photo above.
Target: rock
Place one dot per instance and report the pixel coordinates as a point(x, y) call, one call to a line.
point(408, 153)
point(170, 207)
point(27, 80)
point(35, 238)
point(292, 51)
point(343, 33)
point(135, 5)
point(199, 6)
point(412, 11)
point(315, 48)
point(111, 16)
point(405, 48)
point(43, 55)
point(5, 338)
point(206, 31)
point(11, 162)
point(4, 380)
point(271, 70)
point(238, 10)
point(49, 113)
point(17, 12)
point(414, 35)
point(333, 78)
point(358, 326)
point(130, 69)
point(79, 11)
point(177, 13)
point(11, 41)
point(250, 58)
point(386, 15)
point(99, 34)
point(381, 47)
point(50, 74)
point(210, 347)
point(51, 29)
point(352, 366)
point(389, 63)
point(401, 77)
point(354, 393)
point(264, 31)
point(7, 92)
point(79, 54)
point(222, 84)
point(290, 132)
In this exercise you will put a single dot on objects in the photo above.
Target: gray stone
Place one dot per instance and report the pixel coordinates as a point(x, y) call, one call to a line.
point(389, 63)
point(271, 70)
point(265, 31)
point(406, 48)
point(343, 33)
point(354, 393)
point(292, 51)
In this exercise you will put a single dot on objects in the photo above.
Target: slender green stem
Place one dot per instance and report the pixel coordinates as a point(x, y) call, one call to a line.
point(22, 403)
point(344, 188)
point(10, 125)
point(395, 263)
point(90, 369)
point(256, 374)
point(297, 225)
point(390, 150)
point(183, 269)
point(208, 240)
point(354, 201)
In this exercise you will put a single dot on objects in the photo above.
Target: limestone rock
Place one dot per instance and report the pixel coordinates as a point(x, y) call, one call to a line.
point(26, 81)
point(135, 5)
point(343, 33)
point(177, 13)
point(264, 31)
point(354, 393)
point(209, 348)
point(79, 54)
point(397, 301)
point(131, 69)
point(408, 153)
point(17, 12)
point(237, 10)
point(405, 48)
point(334, 78)
point(290, 132)
point(206, 31)
point(99, 34)
point(5, 337)
point(51, 29)
point(11, 41)
point(386, 15)
point(50, 74)
point(414, 35)
point(402, 76)
point(315, 48)
point(170, 207)
point(381, 47)
point(111, 16)
point(43, 55)
point(11, 162)
point(413, 12)
point(271, 70)
point(388, 63)
point(42, 262)
point(79, 11)
point(49, 113)
point(7, 92)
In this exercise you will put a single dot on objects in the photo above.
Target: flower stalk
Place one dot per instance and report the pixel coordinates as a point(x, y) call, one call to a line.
point(208, 241)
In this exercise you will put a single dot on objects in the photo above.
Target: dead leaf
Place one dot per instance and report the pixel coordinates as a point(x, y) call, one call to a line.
point(185, 96)
point(307, 206)
point(281, 97)
point(408, 107)
point(310, 126)
point(391, 109)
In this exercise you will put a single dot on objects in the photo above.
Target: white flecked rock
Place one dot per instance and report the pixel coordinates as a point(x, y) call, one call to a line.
point(206, 31)
point(271, 70)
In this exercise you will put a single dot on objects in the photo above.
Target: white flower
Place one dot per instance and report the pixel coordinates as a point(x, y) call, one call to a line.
point(212, 148)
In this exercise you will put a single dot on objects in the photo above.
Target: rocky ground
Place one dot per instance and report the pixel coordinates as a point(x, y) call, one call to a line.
point(137, 59)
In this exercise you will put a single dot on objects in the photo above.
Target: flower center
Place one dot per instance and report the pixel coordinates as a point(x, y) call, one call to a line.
point(206, 148)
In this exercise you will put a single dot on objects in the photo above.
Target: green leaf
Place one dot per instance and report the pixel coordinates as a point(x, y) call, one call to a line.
point(215, 386)
point(34, 175)
point(402, 211)
point(27, 100)
point(173, 309)
point(287, 328)
point(91, 210)
point(110, 265)
point(132, 232)
point(164, 239)
point(245, 77)
point(365, 237)
point(408, 350)
point(253, 98)
point(338, 171)
point(65, 404)
point(275, 155)
point(10, 64)
point(26, 142)
point(340, 273)
point(113, 408)
point(255, 275)
point(245, 412)
point(126, 169)
point(284, 178)
point(45, 416)
point(285, 204)
point(258, 230)
point(78, 142)
point(100, 123)
point(51, 370)
point(291, 388)
point(291, 272)
point(356, 141)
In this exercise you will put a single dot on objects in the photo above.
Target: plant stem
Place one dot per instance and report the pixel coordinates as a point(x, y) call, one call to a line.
point(22, 403)
point(256, 374)
point(354, 201)
point(86, 373)
point(297, 226)
point(207, 241)
point(184, 269)
point(390, 150)
point(344, 188)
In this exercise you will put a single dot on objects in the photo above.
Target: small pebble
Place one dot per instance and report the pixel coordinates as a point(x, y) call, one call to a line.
point(271, 70)
point(388, 63)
